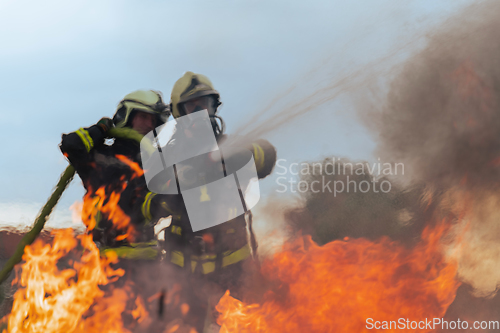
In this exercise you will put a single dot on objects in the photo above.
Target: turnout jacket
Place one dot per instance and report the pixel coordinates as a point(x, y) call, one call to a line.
point(209, 250)
point(105, 170)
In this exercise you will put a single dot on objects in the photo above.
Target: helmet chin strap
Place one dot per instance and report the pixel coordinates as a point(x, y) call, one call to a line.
point(219, 129)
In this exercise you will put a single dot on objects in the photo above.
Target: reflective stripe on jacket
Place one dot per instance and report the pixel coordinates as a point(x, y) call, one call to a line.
point(208, 261)
point(148, 251)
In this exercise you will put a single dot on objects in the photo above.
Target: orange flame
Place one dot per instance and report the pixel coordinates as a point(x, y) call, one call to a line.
point(56, 300)
point(107, 204)
point(140, 313)
point(132, 165)
point(100, 201)
point(338, 286)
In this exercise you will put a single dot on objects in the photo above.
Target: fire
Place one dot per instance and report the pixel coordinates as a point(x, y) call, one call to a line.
point(338, 286)
point(134, 166)
point(54, 299)
point(105, 201)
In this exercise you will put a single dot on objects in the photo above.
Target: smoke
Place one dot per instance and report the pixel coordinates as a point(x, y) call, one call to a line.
point(365, 206)
point(441, 119)
point(439, 116)
point(338, 74)
point(270, 225)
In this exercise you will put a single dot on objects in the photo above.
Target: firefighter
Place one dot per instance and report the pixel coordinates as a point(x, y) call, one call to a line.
point(105, 168)
point(216, 258)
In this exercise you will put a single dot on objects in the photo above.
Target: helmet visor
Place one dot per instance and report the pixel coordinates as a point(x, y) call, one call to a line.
point(208, 103)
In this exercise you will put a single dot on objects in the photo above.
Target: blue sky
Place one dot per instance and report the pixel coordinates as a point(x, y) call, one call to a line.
point(66, 64)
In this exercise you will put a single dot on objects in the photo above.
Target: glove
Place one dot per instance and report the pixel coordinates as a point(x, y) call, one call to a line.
point(164, 205)
point(264, 156)
point(105, 124)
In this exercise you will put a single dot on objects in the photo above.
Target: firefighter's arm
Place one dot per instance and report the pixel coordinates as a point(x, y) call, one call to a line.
point(264, 154)
point(76, 146)
point(156, 206)
point(144, 206)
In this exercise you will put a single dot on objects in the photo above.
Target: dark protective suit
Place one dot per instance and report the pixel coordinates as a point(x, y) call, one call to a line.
point(217, 257)
point(106, 169)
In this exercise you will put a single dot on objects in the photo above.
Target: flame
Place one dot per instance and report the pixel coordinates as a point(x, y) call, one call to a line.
point(474, 238)
point(105, 201)
point(134, 166)
point(50, 299)
point(107, 204)
point(338, 286)
point(140, 313)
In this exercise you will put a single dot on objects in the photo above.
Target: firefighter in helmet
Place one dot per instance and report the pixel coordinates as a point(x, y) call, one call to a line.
point(222, 254)
point(104, 169)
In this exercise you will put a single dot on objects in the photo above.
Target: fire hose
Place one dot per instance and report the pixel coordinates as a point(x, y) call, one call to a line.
point(43, 216)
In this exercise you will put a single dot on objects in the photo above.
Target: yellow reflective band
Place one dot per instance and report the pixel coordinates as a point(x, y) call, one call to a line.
point(204, 194)
point(86, 138)
point(127, 252)
point(208, 260)
point(176, 230)
point(208, 267)
point(204, 257)
point(177, 258)
point(258, 154)
point(146, 207)
point(236, 256)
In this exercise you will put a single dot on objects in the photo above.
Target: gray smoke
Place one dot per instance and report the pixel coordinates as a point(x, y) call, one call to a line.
point(441, 118)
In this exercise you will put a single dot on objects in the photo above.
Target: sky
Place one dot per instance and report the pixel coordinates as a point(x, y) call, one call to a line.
point(66, 64)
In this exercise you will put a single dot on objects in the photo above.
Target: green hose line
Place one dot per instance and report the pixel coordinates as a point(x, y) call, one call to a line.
point(43, 216)
point(125, 133)
point(131, 134)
